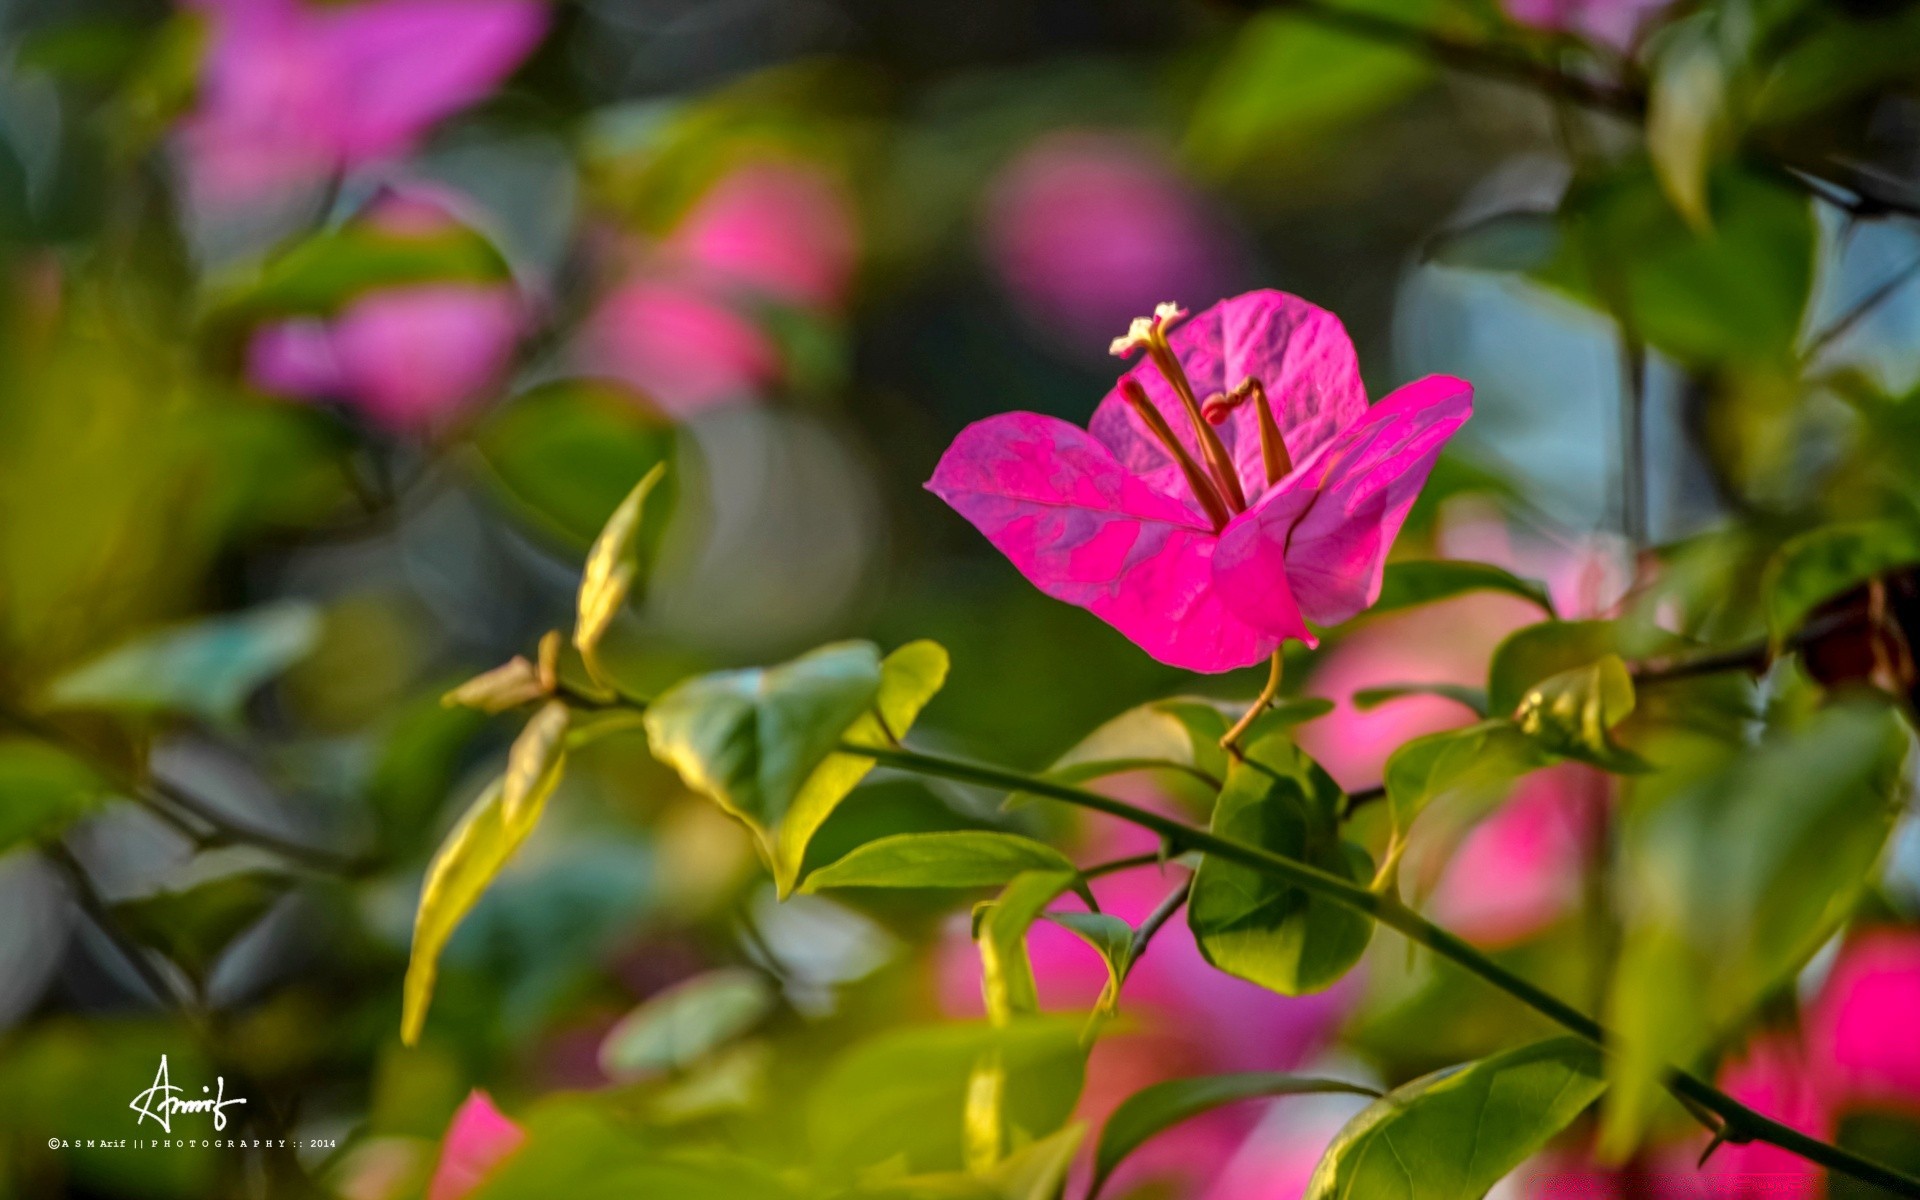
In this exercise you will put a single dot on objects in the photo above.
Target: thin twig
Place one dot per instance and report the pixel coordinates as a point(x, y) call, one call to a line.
point(1161, 914)
point(100, 914)
point(1860, 310)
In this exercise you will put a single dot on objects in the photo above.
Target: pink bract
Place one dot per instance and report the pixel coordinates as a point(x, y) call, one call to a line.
point(293, 91)
point(783, 230)
point(1615, 24)
point(1862, 1023)
point(480, 1137)
point(1102, 518)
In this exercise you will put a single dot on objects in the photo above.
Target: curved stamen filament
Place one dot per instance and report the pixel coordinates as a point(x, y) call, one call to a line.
point(1211, 449)
point(1156, 424)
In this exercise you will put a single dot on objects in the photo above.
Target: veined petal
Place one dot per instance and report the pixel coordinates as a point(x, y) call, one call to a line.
point(1333, 520)
point(1300, 353)
point(1084, 529)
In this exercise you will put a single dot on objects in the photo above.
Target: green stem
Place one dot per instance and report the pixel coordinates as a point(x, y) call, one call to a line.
point(1742, 1123)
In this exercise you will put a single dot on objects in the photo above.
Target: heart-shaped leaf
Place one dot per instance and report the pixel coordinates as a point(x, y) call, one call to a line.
point(1454, 1134)
point(1265, 930)
point(1479, 758)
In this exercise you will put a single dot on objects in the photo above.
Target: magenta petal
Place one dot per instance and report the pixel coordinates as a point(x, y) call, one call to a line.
point(479, 1138)
point(414, 357)
point(1861, 1026)
point(782, 229)
point(1083, 529)
point(400, 66)
point(295, 358)
point(1299, 352)
point(1335, 518)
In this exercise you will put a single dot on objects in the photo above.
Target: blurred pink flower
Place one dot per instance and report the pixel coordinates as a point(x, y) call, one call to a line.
point(411, 358)
point(1862, 1024)
point(1212, 570)
point(294, 90)
point(1087, 229)
point(681, 327)
point(1615, 24)
point(1182, 1016)
point(479, 1138)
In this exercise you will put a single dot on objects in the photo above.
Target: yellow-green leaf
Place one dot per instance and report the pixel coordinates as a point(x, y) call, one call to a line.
point(612, 566)
point(534, 764)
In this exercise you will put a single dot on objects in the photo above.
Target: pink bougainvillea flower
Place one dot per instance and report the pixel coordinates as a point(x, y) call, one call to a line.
point(1862, 1023)
point(1232, 487)
point(781, 229)
point(480, 1137)
point(1085, 229)
point(294, 90)
point(1615, 24)
point(681, 327)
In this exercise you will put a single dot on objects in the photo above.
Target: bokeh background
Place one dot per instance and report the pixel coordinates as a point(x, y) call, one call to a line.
point(330, 332)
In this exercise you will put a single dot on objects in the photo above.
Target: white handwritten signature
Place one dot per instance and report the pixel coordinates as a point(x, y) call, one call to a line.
point(161, 1103)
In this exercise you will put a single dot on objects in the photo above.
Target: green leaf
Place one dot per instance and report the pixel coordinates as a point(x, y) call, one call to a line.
point(750, 740)
point(205, 669)
point(959, 859)
point(193, 927)
point(1001, 929)
point(1037, 1171)
point(507, 686)
point(1411, 582)
point(465, 864)
point(566, 454)
point(324, 272)
point(1687, 111)
point(901, 1096)
point(1112, 939)
point(42, 790)
point(1288, 81)
point(1572, 714)
point(683, 1024)
point(1817, 566)
point(1737, 865)
point(1160, 1107)
point(1480, 758)
point(1467, 697)
point(909, 678)
point(1533, 654)
point(535, 762)
point(1515, 242)
point(1454, 1134)
point(613, 564)
point(1264, 930)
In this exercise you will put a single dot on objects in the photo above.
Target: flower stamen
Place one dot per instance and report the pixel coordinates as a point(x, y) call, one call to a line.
point(1273, 447)
point(1197, 481)
point(1150, 334)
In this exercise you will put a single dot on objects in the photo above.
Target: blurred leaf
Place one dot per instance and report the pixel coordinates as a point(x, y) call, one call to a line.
point(205, 669)
point(900, 1096)
point(1481, 757)
point(1821, 564)
point(1572, 714)
point(1288, 80)
point(1515, 242)
point(1472, 698)
point(909, 678)
point(42, 790)
point(1454, 1134)
point(1735, 869)
point(415, 763)
point(1410, 582)
point(612, 567)
point(1687, 117)
point(1531, 655)
point(580, 1146)
point(567, 453)
point(1006, 974)
point(1735, 294)
point(959, 859)
point(507, 686)
point(1261, 929)
point(1161, 1106)
point(685, 1023)
point(1037, 1171)
point(320, 275)
point(750, 739)
point(461, 870)
point(193, 927)
point(534, 764)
